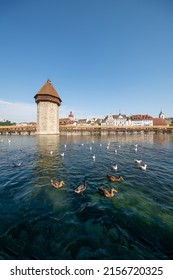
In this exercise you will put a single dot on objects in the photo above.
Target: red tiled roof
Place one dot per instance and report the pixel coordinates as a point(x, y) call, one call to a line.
point(48, 89)
point(159, 121)
point(66, 121)
point(141, 117)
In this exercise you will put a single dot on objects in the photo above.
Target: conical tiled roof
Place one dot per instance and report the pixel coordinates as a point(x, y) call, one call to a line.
point(48, 89)
point(48, 94)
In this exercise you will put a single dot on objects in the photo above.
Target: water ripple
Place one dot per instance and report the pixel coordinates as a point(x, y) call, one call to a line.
point(42, 222)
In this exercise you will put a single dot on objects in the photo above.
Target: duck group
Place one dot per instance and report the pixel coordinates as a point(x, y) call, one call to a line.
point(81, 188)
point(103, 191)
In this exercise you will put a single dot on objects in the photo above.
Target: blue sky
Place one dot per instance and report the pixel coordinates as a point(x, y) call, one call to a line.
point(102, 56)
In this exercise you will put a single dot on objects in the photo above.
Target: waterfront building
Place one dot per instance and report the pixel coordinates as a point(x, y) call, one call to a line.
point(141, 120)
point(82, 121)
point(108, 120)
point(120, 120)
point(93, 121)
point(115, 120)
point(169, 121)
point(159, 122)
point(68, 121)
point(98, 121)
point(48, 102)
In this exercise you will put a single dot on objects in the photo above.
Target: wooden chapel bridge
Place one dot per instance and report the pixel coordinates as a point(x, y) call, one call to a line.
point(68, 129)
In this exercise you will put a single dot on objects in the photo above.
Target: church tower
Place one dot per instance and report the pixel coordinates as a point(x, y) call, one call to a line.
point(161, 115)
point(48, 102)
point(71, 116)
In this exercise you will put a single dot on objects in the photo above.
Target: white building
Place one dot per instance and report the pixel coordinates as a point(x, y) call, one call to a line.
point(115, 120)
point(141, 120)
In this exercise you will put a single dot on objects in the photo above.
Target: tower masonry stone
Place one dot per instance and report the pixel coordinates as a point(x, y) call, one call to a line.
point(48, 102)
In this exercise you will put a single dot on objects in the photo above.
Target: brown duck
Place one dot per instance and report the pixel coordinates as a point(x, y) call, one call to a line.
point(114, 179)
point(106, 193)
point(57, 184)
point(81, 188)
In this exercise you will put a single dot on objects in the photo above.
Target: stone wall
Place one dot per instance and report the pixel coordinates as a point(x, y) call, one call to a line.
point(47, 118)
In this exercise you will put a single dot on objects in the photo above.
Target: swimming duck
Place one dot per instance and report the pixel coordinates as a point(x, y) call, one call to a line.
point(94, 157)
point(114, 179)
point(57, 184)
point(62, 154)
point(106, 193)
point(81, 188)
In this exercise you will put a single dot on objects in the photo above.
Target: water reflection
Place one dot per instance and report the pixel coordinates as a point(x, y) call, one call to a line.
point(47, 143)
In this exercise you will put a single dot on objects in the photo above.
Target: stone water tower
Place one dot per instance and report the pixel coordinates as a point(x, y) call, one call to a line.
point(48, 102)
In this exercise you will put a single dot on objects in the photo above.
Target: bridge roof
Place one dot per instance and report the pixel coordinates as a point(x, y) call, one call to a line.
point(48, 89)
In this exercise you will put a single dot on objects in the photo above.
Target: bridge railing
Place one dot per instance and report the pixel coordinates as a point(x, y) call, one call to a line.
point(84, 128)
point(17, 129)
point(113, 128)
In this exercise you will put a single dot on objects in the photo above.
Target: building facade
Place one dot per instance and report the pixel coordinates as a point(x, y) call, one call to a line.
point(115, 120)
point(141, 120)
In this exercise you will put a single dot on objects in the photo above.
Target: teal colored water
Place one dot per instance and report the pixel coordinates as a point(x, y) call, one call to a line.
point(39, 221)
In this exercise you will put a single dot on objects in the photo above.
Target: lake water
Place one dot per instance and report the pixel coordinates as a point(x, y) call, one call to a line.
point(39, 221)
